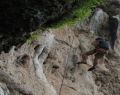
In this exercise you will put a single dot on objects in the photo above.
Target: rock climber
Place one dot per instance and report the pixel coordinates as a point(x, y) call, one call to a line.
point(101, 48)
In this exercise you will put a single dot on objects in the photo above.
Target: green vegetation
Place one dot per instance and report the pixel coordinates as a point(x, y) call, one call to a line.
point(83, 10)
point(33, 36)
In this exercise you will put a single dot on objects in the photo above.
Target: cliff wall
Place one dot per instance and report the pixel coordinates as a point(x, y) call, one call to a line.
point(40, 67)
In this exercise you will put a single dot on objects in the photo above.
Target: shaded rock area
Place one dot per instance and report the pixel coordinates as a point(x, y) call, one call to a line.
point(19, 18)
point(112, 9)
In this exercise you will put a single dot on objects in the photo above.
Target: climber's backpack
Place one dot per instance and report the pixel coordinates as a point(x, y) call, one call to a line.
point(104, 44)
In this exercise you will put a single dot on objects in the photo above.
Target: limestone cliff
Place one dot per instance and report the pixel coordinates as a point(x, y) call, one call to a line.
point(39, 67)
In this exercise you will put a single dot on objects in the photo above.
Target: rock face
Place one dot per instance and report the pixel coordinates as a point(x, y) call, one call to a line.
point(38, 68)
point(47, 65)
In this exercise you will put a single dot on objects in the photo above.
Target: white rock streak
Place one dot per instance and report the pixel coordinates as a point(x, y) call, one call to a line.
point(40, 55)
point(97, 20)
point(1, 91)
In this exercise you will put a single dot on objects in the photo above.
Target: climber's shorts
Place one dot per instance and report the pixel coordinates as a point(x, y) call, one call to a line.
point(98, 54)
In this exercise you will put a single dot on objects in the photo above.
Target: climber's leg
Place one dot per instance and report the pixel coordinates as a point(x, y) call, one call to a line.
point(85, 56)
point(95, 62)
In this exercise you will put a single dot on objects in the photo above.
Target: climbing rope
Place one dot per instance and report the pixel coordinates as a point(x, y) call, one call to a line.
point(65, 69)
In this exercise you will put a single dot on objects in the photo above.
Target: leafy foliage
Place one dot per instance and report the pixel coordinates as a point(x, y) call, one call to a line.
point(33, 36)
point(82, 11)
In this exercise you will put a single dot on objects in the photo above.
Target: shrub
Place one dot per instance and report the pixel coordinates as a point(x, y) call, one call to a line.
point(83, 10)
point(33, 36)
